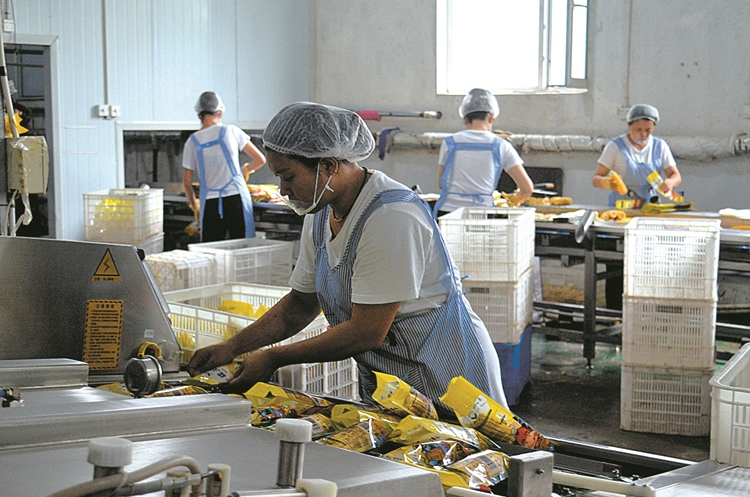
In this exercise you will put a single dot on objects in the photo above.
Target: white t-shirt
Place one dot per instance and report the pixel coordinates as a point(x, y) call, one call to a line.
point(218, 172)
point(396, 261)
point(473, 171)
point(614, 160)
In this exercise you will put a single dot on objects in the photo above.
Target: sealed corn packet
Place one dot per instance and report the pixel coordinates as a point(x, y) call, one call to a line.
point(276, 408)
point(481, 471)
point(214, 378)
point(395, 394)
point(364, 436)
point(322, 426)
point(477, 410)
point(262, 389)
point(412, 430)
point(346, 415)
point(178, 391)
point(116, 388)
point(436, 454)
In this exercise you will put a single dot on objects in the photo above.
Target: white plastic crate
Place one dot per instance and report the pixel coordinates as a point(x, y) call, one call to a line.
point(505, 307)
point(671, 258)
point(212, 296)
point(730, 411)
point(668, 333)
point(124, 215)
point(152, 245)
point(669, 401)
point(250, 260)
point(337, 379)
point(178, 269)
point(490, 244)
point(196, 327)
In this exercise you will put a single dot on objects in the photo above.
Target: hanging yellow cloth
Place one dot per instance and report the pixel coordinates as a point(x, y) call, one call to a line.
point(17, 119)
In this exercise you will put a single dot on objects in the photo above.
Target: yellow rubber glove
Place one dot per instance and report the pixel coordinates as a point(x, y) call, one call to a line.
point(614, 182)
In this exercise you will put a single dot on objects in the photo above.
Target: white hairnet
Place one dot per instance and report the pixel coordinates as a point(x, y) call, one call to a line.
point(643, 111)
point(477, 100)
point(209, 101)
point(314, 130)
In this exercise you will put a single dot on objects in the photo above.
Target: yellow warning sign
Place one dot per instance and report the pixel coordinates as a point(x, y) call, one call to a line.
point(107, 270)
point(101, 341)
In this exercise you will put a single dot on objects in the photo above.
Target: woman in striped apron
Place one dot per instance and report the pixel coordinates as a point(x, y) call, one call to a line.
point(373, 260)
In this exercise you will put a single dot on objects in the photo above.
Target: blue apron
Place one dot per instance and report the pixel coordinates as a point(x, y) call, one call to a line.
point(237, 178)
point(426, 349)
point(446, 180)
point(636, 174)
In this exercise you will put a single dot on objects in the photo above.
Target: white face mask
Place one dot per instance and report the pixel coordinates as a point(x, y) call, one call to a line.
point(298, 206)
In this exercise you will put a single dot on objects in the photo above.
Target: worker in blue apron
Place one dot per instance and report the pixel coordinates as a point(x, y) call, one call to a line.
point(373, 260)
point(226, 207)
point(471, 161)
point(634, 156)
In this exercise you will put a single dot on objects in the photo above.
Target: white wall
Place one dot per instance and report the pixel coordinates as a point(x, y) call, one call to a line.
point(162, 55)
point(689, 58)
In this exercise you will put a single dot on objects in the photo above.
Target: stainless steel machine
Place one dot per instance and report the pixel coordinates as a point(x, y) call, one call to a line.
point(74, 314)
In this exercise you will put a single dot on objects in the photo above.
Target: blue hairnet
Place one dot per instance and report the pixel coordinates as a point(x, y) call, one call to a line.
point(477, 100)
point(315, 130)
point(209, 101)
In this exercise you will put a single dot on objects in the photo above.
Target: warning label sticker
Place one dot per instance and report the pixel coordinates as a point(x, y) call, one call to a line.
point(101, 341)
point(107, 270)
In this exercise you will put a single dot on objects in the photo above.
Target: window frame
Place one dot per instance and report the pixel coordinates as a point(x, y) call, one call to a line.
point(572, 85)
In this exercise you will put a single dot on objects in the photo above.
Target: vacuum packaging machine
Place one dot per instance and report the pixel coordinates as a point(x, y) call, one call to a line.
point(75, 314)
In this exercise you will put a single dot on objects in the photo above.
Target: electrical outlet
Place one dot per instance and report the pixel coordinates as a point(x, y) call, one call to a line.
point(746, 111)
point(115, 111)
point(103, 110)
point(9, 26)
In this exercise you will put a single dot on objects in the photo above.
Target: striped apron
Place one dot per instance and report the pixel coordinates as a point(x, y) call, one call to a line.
point(425, 349)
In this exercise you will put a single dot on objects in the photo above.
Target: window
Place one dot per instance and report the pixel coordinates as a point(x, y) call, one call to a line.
point(510, 46)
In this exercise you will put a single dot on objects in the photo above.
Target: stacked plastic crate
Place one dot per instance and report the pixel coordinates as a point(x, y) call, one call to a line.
point(669, 322)
point(179, 269)
point(133, 216)
point(494, 248)
point(250, 260)
point(730, 411)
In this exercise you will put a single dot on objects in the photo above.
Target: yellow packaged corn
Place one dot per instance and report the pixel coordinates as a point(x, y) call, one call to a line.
point(477, 410)
point(395, 394)
point(412, 430)
point(363, 436)
point(346, 415)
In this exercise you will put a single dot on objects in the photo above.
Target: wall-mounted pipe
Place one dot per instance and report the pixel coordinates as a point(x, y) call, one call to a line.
point(697, 148)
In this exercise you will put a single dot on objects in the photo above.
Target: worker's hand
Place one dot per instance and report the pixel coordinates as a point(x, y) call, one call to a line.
point(667, 185)
point(196, 210)
point(513, 199)
point(608, 183)
point(259, 366)
point(247, 170)
point(614, 182)
point(210, 357)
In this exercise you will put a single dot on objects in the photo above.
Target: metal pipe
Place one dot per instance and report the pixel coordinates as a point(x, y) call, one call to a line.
point(698, 148)
point(291, 457)
point(292, 434)
point(106, 52)
point(600, 484)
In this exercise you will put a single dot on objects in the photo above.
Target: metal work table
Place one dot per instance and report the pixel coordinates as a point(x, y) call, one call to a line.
point(604, 243)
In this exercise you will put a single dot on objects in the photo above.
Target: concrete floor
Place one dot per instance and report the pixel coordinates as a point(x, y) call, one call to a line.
point(565, 400)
